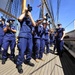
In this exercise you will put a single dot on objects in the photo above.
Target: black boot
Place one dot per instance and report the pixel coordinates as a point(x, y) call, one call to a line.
point(60, 55)
point(19, 67)
point(15, 59)
point(29, 63)
point(3, 61)
point(0, 55)
point(12, 59)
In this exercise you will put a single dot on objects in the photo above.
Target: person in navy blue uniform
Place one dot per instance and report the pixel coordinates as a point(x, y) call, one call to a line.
point(60, 33)
point(51, 37)
point(8, 40)
point(36, 43)
point(25, 40)
point(2, 21)
point(42, 42)
point(46, 37)
point(54, 42)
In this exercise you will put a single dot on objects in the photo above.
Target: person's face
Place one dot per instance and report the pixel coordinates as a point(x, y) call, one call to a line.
point(11, 22)
point(59, 26)
point(0, 20)
point(44, 25)
point(3, 22)
point(7, 23)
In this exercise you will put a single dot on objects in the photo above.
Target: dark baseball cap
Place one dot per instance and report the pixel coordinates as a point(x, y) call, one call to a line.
point(10, 19)
point(59, 24)
point(3, 19)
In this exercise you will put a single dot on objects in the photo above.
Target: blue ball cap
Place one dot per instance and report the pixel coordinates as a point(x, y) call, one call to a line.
point(38, 20)
point(10, 19)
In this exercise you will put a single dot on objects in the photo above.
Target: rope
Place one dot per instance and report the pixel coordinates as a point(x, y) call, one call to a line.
point(51, 8)
point(7, 13)
point(58, 7)
point(52, 20)
point(69, 24)
point(16, 7)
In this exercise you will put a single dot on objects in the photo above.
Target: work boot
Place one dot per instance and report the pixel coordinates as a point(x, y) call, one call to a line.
point(29, 63)
point(19, 68)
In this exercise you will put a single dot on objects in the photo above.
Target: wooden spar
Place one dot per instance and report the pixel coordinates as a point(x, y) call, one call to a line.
point(23, 5)
point(7, 13)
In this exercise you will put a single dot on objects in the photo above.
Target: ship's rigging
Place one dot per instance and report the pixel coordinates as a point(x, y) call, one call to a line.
point(13, 8)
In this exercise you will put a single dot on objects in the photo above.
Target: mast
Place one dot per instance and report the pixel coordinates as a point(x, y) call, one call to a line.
point(41, 14)
point(23, 5)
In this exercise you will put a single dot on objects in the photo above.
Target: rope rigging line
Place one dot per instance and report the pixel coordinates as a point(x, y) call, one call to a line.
point(49, 3)
point(58, 7)
point(8, 8)
point(69, 23)
point(51, 9)
point(9, 14)
point(52, 21)
point(16, 7)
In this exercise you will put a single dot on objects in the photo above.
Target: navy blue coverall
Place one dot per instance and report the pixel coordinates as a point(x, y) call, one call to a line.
point(59, 42)
point(1, 36)
point(47, 40)
point(25, 41)
point(36, 36)
point(42, 42)
point(9, 40)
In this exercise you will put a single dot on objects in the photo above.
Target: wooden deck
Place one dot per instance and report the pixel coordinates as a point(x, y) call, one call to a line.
point(53, 65)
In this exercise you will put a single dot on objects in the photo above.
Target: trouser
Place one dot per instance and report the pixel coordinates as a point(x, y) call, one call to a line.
point(47, 46)
point(36, 48)
point(23, 45)
point(42, 48)
point(59, 44)
point(6, 43)
point(51, 42)
point(55, 46)
point(1, 41)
